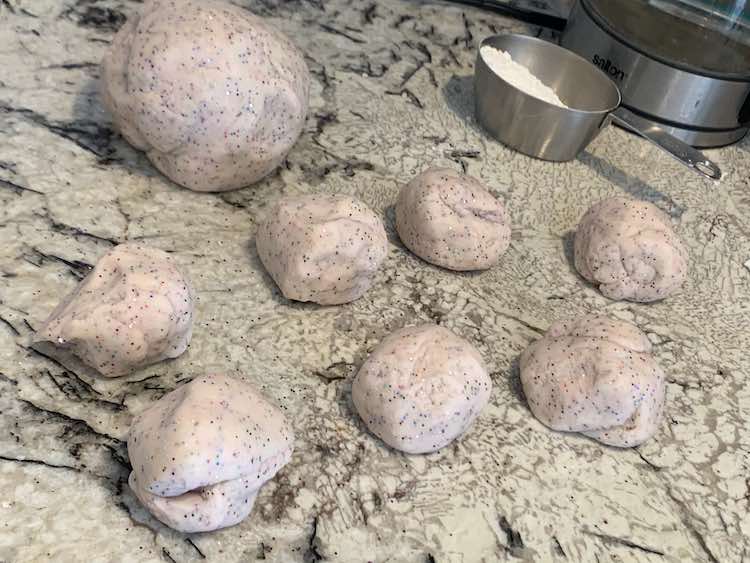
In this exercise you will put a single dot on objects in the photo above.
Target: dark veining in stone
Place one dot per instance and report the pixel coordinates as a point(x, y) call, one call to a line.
point(17, 189)
point(312, 554)
point(370, 13)
point(512, 536)
point(88, 135)
point(97, 17)
point(334, 31)
point(410, 96)
point(606, 538)
point(167, 555)
point(7, 323)
point(79, 269)
point(38, 462)
point(78, 232)
point(558, 548)
point(74, 66)
point(195, 547)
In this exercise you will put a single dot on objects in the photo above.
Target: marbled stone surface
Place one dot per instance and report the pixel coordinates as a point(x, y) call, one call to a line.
point(391, 95)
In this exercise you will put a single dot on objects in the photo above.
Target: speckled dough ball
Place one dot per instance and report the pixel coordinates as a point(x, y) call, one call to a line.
point(214, 95)
point(451, 220)
point(595, 376)
point(134, 309)
point(628, 248)
point(421, 388)
point(201, 453)
point(322, 248)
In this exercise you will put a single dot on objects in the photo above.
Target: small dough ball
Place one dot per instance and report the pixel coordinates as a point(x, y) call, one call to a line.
point(451, 220)
point(201, 453)
point(322, 248)
point(421, 388)
point(595, 376)
point(628, 248)
point(214, 95)
point(134, 309)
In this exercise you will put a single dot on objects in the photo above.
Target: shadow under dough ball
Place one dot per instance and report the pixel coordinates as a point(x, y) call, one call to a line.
point(214, 95)
point(321, 248)
point(452, 220)
point(135, 308)
point(421, 388)
point(595, 376)
point(201, 453)
point(628, 248)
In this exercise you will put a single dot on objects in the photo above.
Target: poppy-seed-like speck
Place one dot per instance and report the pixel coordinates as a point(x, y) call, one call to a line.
point(322, 248)
point(595, 376)
point(135, 308)
point(452, 220)
point(421, 388)
point(628, 248)
point(214, 95)
point(201, 453)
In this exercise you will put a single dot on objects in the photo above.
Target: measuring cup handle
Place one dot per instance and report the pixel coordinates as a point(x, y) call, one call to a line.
point(683, 152)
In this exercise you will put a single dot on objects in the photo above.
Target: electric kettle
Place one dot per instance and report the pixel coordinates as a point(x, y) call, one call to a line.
point(683, 65)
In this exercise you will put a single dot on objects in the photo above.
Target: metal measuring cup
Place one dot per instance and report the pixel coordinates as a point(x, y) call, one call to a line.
point(543, 130)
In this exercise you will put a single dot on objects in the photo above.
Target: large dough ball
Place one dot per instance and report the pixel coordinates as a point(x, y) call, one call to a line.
point(421, 388)
point(322, 248)
point(451, 220)
point(134, 309)
point(201, 453)
point(628, 248)
point(214, 95)
point(595, 376)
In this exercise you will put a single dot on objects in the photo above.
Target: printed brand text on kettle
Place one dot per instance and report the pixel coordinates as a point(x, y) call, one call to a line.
point(607, 66)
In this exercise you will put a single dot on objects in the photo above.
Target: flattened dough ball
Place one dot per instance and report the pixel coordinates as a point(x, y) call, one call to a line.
point(322, 248)
point(421, 388)
point(134, 309)
point(628, 248)
point(201, 453)
point(214, 95)
point(595, 376)
point(451, 220)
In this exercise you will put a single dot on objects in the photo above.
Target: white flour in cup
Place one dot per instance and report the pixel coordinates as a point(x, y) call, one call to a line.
point(502, 64)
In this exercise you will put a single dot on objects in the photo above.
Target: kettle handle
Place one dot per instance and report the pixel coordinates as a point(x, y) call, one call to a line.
point(689, 156)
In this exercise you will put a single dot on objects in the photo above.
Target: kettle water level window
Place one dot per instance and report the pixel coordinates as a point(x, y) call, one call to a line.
point(703, 36)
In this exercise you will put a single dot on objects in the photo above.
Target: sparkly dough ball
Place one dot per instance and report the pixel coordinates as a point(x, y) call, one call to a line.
point(201, 453)
point(595, 376)
point(214, 95)
point(134, 309)
point(628, 248)
point(451, 220)
point(322, 248)
point(421, 388)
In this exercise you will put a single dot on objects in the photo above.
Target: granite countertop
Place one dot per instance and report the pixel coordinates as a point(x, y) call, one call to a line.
point(391, 95)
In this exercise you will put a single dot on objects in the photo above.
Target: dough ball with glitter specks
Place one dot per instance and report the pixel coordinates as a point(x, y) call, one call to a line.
point(421, 388)
point(201, 453)
point(595, 376)
point(214, 95)
point(628, 248)
point(322, 248)
point(451, 220)
point(135, 308)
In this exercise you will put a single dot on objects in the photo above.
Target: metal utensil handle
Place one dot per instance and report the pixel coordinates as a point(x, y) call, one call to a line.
point(693, 158)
